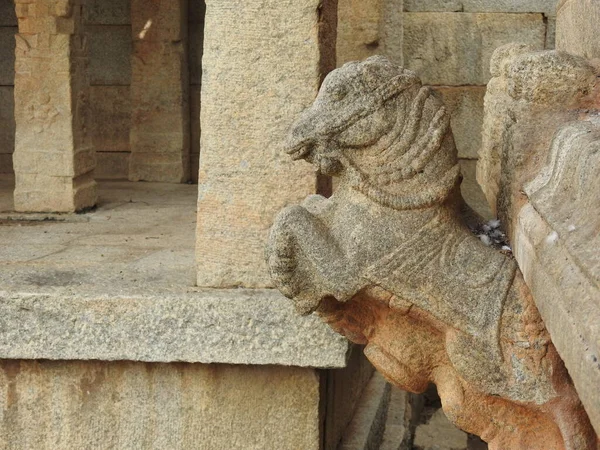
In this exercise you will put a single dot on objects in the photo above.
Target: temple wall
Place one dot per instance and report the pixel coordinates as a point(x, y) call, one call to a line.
point(133, 405)
point(108, 25)
point(8, 29)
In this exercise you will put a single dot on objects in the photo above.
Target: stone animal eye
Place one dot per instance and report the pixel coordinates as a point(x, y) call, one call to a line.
point(339, 92)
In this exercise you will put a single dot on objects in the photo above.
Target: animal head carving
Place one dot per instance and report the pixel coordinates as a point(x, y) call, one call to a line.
point(374, 125)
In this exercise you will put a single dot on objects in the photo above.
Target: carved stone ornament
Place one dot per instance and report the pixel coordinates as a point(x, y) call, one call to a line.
point(389, 262)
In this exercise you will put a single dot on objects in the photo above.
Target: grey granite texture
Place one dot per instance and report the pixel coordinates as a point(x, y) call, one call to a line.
point(207, 326)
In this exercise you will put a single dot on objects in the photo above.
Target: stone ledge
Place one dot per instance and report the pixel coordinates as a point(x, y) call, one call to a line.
point(203, 325)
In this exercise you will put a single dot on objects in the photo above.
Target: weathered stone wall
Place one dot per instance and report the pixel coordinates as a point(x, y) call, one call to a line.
point(8, 29)
point(449, 43)
point(539, 169)
point(110, 405)
point(108, 26)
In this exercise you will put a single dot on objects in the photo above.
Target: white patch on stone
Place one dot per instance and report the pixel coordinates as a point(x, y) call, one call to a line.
point(552, 237)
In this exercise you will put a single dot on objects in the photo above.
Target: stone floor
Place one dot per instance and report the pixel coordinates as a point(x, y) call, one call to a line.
point(139, 238)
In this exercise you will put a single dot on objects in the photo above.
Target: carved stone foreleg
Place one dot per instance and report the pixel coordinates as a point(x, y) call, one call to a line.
point(305, 262)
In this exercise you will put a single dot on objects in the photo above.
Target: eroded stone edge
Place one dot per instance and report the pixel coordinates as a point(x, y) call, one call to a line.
point(578, 349)
point(208, 326)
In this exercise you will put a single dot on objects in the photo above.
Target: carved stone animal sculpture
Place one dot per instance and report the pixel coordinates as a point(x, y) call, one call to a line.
point(389, 262)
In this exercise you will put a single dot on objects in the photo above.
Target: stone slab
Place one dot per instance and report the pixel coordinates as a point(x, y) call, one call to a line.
point(111, 165)
point(493, 6)
point(577, 28)
point(358, 30)
point(110, 55)
point(245, 177)
point(111, 109)
point(440, 434)
point(125, 405)
point(8, 18)
point(7, 55)
point(102, 12)
point(455, 49)
point(7, 120)
point(465, 105)
point(207, 326)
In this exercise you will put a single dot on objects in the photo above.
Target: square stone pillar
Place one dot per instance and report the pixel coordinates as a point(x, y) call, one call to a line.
point(160, 128)
point(263, 64)
point(54, 159)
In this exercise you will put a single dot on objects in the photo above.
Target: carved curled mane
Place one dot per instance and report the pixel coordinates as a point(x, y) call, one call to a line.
point(413, 151)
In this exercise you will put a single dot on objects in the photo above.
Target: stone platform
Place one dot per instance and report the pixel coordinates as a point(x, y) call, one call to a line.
point(117, 283)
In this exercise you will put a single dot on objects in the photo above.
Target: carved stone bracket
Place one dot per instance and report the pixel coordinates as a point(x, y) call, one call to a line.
point(389, 261)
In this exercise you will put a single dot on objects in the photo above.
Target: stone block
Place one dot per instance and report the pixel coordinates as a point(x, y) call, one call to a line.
point(492, 6)
point(367, 427)
point(7, 55)
point(112, 166)
point(344, 389)
point(577, 28)
point(465, 105)
point(369, 28)
point(358, 30)
point(46, 193)
point(456, 48)
point(530, 96)
point(110, 55)
point(111, 110)
point(102, 12)
point(160, 117)
point(195, 49)
point(439, 433)
point(8, 17)
point(105, 405)
point(7, 120)
point(245, 177)
point(557, 244)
